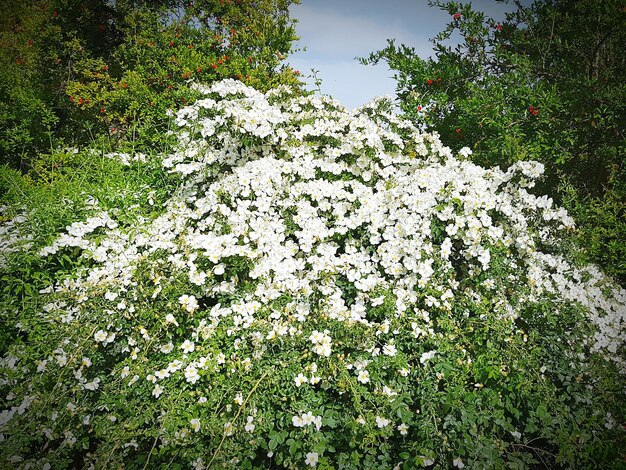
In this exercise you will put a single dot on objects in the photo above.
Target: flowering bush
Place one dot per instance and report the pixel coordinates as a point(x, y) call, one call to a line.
point(324, 289)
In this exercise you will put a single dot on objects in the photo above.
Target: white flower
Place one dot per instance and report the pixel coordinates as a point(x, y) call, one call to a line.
point(188, 346)
point(249, 427)
point(100, 336)
point(458, 463)
point(403, 428)
point(300, 379)
point(191, 374)
point(238, 399)
point(198, 464)
point(157, 391)
point(321, 343)
point(297, 421)
point(363, 377)
point(381, 422)
point(308, 418)
point(389, 350)
point(174, 366)
point(61, 360)
point(93, 385)
point(229, 429)
point(427, 356)
point(318, 422)
point(465, 152)
point(311, 459)
point(110, 296)
point(316, 337)
point(195, 424)
point(188, 302)
point(169, 318)
point(167, 348)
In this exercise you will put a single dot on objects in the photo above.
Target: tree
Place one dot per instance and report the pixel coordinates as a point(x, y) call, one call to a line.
point(545, 84)
point(73, 70)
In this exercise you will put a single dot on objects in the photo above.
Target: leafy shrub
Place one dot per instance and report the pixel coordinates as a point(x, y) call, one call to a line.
point(321, 288)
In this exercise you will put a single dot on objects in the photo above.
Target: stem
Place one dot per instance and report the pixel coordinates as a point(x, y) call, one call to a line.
point(150, 453)
point(256, 385)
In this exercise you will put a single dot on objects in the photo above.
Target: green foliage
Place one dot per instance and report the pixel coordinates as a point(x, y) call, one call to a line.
point(546, 84)
point(601, 231)
point(71, 71)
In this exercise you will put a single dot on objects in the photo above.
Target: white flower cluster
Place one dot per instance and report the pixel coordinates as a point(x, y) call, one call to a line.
point(311, 194)
point(126, 158)
point(307, 419)
point(13, 237)
point(321, 342)
point(74, 236)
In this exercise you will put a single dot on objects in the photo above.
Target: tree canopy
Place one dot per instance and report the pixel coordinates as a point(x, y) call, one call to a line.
point(72, 70)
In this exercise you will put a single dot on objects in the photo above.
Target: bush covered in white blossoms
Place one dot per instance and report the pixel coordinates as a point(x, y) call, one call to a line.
point(324, 289)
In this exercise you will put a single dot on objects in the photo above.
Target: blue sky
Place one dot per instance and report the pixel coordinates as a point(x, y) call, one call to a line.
point(334, 32)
